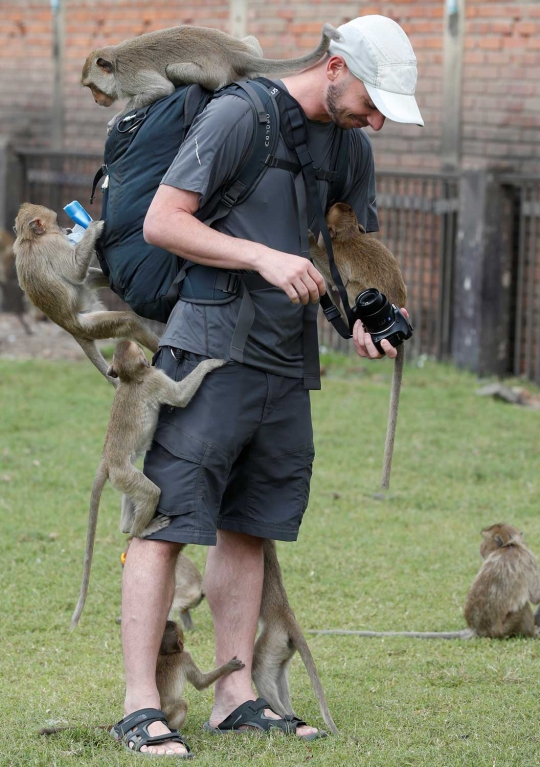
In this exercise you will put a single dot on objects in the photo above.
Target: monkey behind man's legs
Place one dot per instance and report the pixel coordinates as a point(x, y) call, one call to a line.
point(279, 639)
point(175, 666)
point(188, 590)
point(363, 262)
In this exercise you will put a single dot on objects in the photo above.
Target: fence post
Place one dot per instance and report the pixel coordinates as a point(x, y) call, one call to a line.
point(11, 183)
point(482, 278)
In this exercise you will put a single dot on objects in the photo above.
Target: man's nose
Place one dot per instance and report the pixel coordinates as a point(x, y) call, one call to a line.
point(376, 120)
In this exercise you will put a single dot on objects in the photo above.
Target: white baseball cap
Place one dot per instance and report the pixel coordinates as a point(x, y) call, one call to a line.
point(378, 52)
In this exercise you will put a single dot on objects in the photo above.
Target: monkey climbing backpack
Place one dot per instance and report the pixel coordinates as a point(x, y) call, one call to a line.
point(139, 150)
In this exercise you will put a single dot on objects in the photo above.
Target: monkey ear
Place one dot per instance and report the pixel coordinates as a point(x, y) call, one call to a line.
point(361, 229)
point(145, 361)
point(105, 65)
point(332, 231)
point(111, 372)
point(498, 540)
point(37, 226)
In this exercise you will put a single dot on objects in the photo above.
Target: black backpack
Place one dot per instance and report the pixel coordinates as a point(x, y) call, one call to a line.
point(138, 152)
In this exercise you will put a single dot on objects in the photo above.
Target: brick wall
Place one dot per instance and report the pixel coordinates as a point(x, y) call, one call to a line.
point(501, 92)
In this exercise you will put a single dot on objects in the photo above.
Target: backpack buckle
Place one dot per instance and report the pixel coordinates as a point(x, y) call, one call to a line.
point(232, 284)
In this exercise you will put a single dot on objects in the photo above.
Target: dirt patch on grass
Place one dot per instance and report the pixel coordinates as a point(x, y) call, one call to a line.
point(44, 341)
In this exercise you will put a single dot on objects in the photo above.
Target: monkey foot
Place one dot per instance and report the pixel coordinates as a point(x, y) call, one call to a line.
point(134, 733)
point(250, 716)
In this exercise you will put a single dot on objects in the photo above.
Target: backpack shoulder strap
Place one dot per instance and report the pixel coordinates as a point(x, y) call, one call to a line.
point(266, 128)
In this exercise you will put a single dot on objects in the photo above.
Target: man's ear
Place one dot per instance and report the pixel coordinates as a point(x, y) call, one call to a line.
point(111, 372)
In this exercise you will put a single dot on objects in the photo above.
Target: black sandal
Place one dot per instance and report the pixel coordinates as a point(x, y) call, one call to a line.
point(133, 729)
point(251, 714)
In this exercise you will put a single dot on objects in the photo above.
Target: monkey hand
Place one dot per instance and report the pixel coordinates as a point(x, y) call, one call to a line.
point(365, 346)
point(296, 276)
point(235, 664)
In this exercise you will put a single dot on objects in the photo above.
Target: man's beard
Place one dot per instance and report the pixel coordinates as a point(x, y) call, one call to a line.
point(339, 116)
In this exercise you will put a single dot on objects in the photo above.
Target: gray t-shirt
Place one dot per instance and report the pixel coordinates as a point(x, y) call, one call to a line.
point(210, 156)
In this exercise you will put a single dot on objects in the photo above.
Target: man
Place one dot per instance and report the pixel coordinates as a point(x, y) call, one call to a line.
point(238, 460)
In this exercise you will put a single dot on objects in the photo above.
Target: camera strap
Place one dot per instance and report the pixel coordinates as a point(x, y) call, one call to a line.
point(295, 134)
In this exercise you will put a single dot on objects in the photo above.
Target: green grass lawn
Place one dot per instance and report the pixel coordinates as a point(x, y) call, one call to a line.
point(404, 562)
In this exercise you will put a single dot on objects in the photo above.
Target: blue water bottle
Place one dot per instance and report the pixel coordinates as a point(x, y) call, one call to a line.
point(81, 219)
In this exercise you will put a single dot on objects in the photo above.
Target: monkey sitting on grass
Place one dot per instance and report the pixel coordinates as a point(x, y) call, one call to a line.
point(57, 278)
point(497, 605)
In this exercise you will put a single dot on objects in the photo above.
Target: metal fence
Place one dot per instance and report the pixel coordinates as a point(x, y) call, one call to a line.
point(525, 325)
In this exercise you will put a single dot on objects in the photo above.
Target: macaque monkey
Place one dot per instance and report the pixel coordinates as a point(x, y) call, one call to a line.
point(363, 262)
point(279, 639)
point(174, 667)
point(57, 278)
point(188, 590)
point(149, 67)
point(134, 414)
point(497, 605)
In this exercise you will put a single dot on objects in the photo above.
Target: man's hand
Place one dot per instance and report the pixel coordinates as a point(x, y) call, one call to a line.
point(365, 346)
point(295, 275)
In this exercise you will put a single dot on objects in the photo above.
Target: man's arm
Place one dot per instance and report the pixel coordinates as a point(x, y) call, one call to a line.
point(170, 224)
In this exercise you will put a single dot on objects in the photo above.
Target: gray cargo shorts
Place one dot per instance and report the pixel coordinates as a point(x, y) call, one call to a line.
point(238, 457)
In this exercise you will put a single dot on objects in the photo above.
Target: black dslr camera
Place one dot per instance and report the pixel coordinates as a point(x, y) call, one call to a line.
point(381, 318)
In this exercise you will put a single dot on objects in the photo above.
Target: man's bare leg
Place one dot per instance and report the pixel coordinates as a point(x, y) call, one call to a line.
point(233, 582)
point(147, 592)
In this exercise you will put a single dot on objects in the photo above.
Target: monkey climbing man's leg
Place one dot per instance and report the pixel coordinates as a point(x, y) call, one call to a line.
point(143, 494)
point(235, 561)
point(147, 592)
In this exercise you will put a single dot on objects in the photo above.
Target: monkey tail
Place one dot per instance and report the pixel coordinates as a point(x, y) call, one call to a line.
point(392, 417)
point(253, 64)
point(463, 634)
point(97, 489)
point(309, 663)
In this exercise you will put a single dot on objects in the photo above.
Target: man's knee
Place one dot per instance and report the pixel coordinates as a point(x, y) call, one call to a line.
point(154, 549)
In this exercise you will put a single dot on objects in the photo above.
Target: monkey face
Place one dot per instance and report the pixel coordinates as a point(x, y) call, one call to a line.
point(173, 639)
point(99, 97)
point(98, 75)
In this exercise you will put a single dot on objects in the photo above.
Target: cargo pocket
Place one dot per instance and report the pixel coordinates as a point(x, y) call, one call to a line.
point(175, 465)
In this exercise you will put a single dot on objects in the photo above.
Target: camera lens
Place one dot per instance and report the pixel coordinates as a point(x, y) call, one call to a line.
point(370, 300)
point(374, 309)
